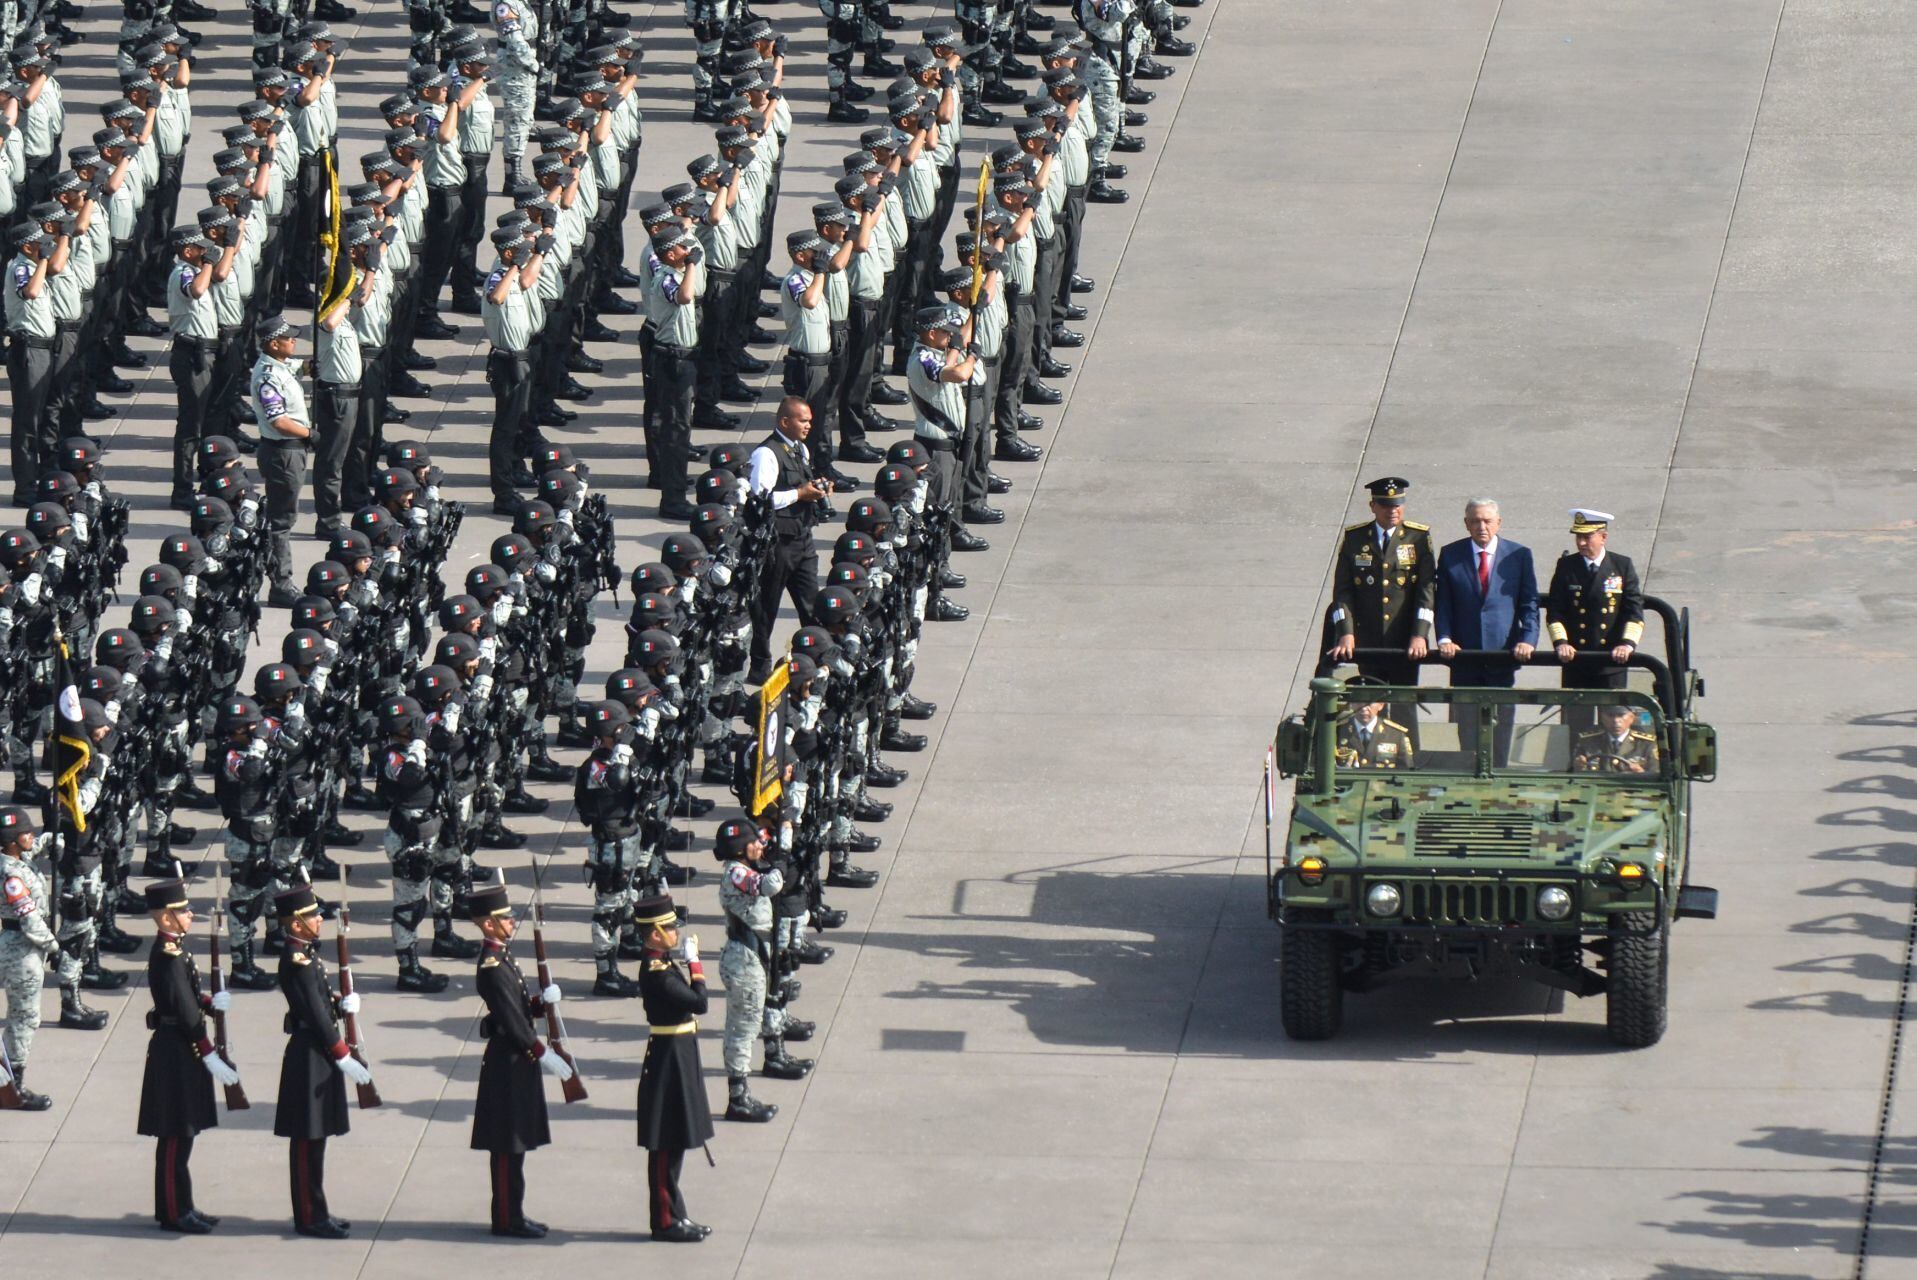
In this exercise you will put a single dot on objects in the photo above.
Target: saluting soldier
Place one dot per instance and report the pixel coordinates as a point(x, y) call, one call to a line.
point(176, 1094)
point(1384, 592)
point(673, 1114)
point(1594, 605)
point(1618, 747)
point(509, 1116)
point(315, 1067)
point(1366, 740)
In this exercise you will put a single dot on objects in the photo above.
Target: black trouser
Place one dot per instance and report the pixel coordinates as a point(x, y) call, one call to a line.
point(445, 220)
point(337, 445)
point(283, 472)
point(269, 283)
point(1071, 227)
point(303, 263)
point(172, 1183)
point(1014, 360)
point(191, 365)
point(946, 201)
point(942, 477)
point(164, 202)
point(665, 1205)
point(792, 570)
point(40, 171)
point(920, 244)
point(30, 378)
point(306, 1162)
point(510, 375)
point(862, 339)
point(677, 375)
point(1045, 279)
point(222, 399)
point(509, 1189)
point(719, 347)
point(810, 377)
point(69, 390)
point(472, 226)
point(975, 449)
point(356, 477)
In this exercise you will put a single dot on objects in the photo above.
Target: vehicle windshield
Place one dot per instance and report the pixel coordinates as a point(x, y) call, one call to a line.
point(1499, 731)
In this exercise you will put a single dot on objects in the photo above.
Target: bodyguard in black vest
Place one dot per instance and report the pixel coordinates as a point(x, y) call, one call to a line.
point(782, 467)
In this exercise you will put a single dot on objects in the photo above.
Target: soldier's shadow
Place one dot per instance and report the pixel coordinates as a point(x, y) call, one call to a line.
point(133, 1226)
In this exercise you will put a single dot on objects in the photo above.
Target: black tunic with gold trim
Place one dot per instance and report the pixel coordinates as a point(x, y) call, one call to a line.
point(509, 1115)
point(673, 1113)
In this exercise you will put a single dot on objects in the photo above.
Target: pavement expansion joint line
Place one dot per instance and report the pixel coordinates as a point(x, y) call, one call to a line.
point(1874, 1178)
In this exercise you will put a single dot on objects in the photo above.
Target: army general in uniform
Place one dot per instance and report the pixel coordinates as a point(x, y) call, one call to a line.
point(1366, 740)
point(1619, 746)
point(1384, 593)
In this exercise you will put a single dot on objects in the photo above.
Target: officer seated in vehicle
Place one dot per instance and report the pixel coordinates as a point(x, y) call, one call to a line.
point(1618, 747)
point(1366, 740)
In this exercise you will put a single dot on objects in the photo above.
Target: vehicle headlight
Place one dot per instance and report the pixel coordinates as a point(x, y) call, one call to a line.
point(1311, 869)
point(1554, 903)
point(1383, 900)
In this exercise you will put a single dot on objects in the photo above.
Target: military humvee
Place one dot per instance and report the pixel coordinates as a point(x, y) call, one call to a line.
point(1527, 847)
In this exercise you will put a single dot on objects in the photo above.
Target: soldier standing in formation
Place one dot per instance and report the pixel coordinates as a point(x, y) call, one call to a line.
point(673, 1115)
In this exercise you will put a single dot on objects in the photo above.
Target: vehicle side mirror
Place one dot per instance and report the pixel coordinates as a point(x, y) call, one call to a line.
point(1294, 748)
point(1700, 752)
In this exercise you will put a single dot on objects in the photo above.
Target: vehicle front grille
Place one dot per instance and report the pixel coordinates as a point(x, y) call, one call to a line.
point(1473, 835)
point(1452, 902)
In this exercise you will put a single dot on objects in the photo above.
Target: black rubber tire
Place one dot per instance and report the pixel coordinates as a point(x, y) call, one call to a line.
point(1639, 981)
point(1311, 994)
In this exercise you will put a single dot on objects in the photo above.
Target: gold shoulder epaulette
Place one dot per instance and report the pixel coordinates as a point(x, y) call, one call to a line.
point(655, 966)
point(1421, 528)
point(490, 962)
point(171, 948)
point(1391, 724)
point(1362, 524)
point(300, 957)
point(1642, 737)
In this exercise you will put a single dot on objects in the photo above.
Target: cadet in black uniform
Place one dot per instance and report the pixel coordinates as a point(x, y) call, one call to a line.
point(673, 1114)
point(1384, 593)
point(509, 1116)
point(176, 1094)
point(316, 1066)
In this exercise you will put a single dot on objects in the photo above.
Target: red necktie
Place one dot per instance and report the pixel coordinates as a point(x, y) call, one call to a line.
point(1484, 571)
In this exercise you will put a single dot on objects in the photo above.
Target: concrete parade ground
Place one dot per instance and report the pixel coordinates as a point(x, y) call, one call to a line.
point(1650, 256)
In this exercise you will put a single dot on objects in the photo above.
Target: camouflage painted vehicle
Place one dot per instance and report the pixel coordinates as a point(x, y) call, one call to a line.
point(1534, 849)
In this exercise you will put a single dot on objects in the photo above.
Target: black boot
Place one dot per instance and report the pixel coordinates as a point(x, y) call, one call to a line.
point(325, 868)
point(543, 768)
point(780, 1065)
point(94, 978)
point(610, 981)
point(275, 943)
point(896, 738)
point(29, 1100)
point(414, 976)
point(247, 975)
point(494, 835)
point(448, 945)
point(27, 792)
point(742, 1106)
point(846, 876)
point(74, 1014)
point(340, 835)
point(111, 938)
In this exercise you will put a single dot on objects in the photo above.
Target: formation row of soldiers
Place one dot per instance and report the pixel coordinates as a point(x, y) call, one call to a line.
point(367, 710)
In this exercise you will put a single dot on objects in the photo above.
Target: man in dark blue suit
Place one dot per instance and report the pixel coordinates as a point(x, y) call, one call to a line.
point(1487, 599)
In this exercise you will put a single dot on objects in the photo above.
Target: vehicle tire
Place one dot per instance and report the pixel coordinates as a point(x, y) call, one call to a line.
point(1639, 980)
point(1311, 994)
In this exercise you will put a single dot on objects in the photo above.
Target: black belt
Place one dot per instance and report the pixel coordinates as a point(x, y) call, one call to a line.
point(320, 384)
point(288, 443)
point(67, 326)
point(813, 358)
point(687, 353)
point(31, 341)
point(475, 159)
point(937, 446)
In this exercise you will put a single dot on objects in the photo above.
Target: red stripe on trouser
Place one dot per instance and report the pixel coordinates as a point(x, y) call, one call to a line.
point(661, 1192)
point(169, 1154)
point(302, 1192)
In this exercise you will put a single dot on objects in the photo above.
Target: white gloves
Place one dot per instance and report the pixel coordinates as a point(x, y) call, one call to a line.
point(554, 1065)
point(450, 717)
point(416, 516)
point(256, 748)
point(355, 1070)
point(690, 945)
point(416, 752)
point(221, 1001)
point(331, 648)
point(317, 682)
point(719, 575)
point(31, 588)
point(57, 559)
point(217, 1067)
point(190, 589)
point(545, 573)
point(551, 995)
point(349, 1003)
point(622, 754)
point(482, 689)
point(164, 649)
point(183, 619)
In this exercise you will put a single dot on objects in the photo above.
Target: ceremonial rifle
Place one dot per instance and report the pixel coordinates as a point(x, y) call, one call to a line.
point(573, 1087)
point(368, 1093)
point(216, 980)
